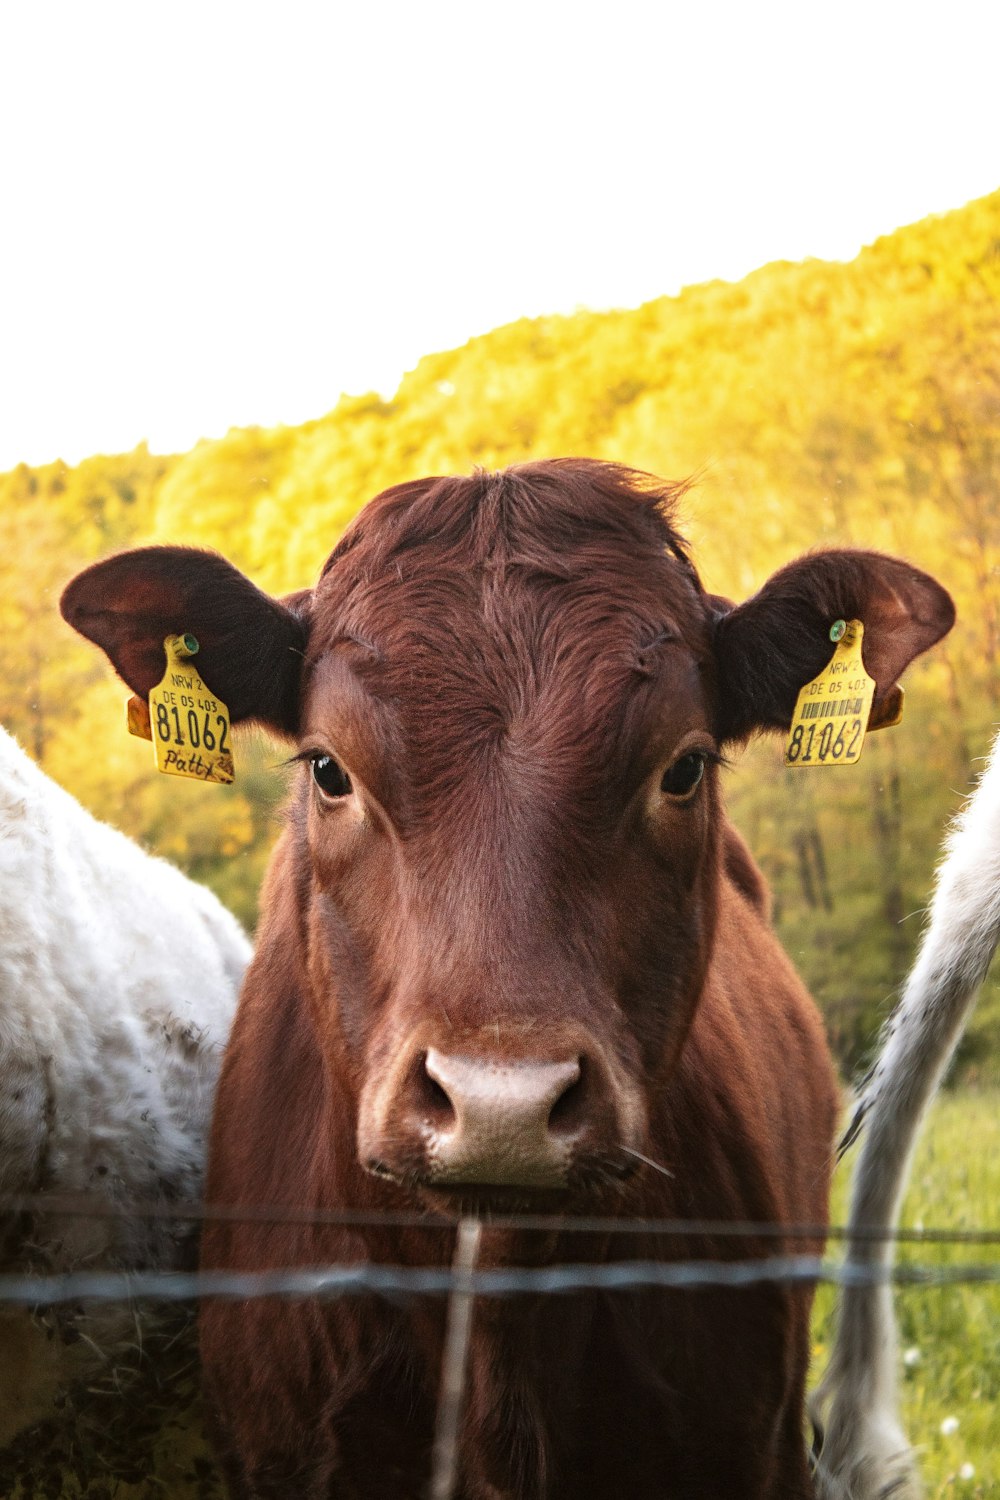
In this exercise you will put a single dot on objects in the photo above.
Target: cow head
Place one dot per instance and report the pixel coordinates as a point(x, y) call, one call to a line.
point(509, 696)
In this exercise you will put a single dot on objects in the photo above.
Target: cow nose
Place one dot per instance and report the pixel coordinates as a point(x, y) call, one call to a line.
point(504, 1124)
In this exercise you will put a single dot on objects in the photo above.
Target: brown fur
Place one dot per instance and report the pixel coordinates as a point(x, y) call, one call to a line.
point(506, 666)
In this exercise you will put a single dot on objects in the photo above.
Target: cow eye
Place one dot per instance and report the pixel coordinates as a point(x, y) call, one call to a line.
point(332, 779)
point(680, 779)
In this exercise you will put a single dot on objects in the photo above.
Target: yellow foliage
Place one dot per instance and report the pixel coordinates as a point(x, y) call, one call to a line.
point(815, 404)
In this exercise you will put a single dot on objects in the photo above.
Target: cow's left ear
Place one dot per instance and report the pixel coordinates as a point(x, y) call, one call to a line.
point(768, 648)
point(251, 646)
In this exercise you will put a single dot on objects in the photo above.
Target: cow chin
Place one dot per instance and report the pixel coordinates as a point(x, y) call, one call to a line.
point(591, 1184)
point(502, 1181)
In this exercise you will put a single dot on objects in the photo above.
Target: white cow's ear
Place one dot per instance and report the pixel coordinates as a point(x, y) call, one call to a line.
point(768, 648)
point(251, 646)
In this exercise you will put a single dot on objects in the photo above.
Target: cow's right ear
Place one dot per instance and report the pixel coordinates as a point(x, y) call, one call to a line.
point(251, 646)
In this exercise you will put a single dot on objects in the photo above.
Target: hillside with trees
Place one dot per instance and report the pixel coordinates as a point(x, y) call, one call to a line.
point(811, 403)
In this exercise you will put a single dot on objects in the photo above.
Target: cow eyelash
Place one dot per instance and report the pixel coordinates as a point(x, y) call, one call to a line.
point(681, 780)
point(329, 776)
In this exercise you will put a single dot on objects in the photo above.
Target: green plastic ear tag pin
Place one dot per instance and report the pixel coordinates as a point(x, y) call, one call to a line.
point(188, 725)
point(831, 715)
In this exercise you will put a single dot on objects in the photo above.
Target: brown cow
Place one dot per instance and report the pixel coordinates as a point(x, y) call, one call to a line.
point(512, 956)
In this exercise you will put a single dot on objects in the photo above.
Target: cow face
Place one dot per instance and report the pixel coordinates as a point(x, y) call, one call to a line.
point(510, 695)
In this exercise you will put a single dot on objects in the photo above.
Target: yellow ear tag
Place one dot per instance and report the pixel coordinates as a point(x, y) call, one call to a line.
point(831, 715)
point(188, 724)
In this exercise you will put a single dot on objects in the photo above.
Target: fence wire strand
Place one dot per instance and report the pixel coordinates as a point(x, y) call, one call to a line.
point(83, 1205)
point(462, 1281)
point(369, 1278)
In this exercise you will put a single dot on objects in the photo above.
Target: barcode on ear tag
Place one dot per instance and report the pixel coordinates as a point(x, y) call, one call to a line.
point(831, 716)
point(190, 725)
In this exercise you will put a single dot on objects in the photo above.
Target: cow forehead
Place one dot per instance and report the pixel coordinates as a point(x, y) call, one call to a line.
point(572, 522)
point(441, 689)
point(505, 642)
point(527, 607)
point(524, 557)
point(464, 612)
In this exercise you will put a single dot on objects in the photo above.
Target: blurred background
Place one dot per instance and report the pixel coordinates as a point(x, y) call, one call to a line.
point(259, 264)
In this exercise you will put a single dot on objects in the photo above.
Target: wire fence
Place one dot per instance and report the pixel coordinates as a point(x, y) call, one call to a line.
point(866, 1264)
point(84, 1205)
point(327, 1282)
point(869, 1261)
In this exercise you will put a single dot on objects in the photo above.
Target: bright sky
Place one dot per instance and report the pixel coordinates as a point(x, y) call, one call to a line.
point(217, 214)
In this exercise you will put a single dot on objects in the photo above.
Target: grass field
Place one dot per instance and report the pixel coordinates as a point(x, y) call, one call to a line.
point(949, 1336)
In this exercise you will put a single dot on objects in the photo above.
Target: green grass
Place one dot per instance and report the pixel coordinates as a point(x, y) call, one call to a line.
point(952, 1333)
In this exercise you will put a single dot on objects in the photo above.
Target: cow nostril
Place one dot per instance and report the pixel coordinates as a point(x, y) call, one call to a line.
point(433, 1100)
point(566, 1114)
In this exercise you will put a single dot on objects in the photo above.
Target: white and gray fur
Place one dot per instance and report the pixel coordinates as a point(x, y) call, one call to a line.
point(865, 1454)
point(118, 982)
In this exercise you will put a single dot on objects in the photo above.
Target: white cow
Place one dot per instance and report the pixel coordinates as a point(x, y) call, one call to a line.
point(865, 1454)
point(118, 981)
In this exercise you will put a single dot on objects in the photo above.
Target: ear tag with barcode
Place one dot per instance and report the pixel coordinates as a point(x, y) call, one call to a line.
point(831, 715)
point(188, 725)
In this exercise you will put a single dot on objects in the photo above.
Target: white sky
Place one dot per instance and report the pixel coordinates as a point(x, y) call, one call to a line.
point(217, 214)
